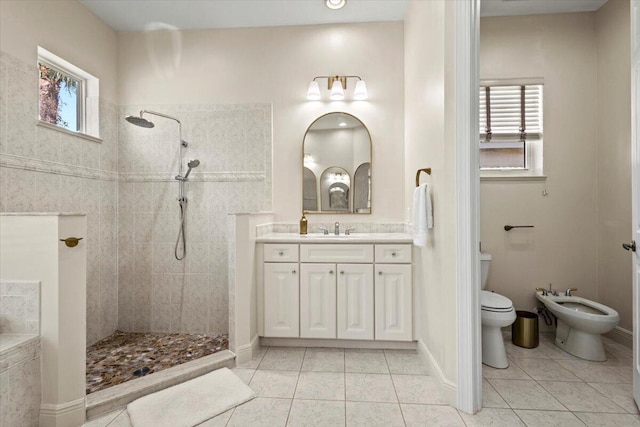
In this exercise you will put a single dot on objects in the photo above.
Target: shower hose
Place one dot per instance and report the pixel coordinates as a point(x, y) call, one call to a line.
point(181, 234)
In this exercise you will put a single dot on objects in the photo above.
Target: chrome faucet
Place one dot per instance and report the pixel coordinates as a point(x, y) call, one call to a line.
point(336, 231)
point(324, 230)
point(348, 231)
point(544, 291)
point(568, 292)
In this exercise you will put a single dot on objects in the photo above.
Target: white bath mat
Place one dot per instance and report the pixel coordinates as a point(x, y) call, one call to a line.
point(192, 402)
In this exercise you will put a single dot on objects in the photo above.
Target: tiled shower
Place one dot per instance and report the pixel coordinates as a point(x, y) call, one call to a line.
point(126, 186)
point(233, 143)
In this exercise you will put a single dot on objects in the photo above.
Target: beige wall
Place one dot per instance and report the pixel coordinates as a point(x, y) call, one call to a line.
point(584, 61)
point(430, 142)
point(44, 170)
point(614, 157)
point(562, 248)
point(65, 28)
point(275, 65)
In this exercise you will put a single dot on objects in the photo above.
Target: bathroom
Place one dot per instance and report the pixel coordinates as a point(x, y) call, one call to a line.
point(126, 181)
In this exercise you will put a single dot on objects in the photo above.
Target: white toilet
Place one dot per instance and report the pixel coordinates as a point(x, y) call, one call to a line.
point(497, 312)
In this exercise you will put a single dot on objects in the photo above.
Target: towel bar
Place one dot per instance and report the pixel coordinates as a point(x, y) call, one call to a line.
point(428, 172)
point(510, 227)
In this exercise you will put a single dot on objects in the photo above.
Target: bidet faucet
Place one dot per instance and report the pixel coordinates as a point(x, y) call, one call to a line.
point(336, 230)
point(544, 291)
point(568, 292)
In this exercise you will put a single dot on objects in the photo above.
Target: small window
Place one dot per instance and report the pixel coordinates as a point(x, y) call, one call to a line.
point(511, 127)
point(68, 96)
point(61, 98)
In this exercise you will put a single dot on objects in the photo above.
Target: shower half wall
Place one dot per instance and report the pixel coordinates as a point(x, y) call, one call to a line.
point(157, 293)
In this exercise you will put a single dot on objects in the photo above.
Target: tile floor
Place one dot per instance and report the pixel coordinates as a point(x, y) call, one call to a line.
point(335, 387)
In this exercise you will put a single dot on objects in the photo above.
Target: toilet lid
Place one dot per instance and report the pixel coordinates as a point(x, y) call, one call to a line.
point(493, 301)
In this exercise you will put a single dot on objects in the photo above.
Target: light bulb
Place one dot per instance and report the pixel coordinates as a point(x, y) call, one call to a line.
point(360, 92)
point(313, 93)
point(337, 93)
point(335, 4)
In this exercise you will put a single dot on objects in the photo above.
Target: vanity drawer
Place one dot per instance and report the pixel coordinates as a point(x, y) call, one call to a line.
point(287, 252)
point(336, 253)
point(393, 254)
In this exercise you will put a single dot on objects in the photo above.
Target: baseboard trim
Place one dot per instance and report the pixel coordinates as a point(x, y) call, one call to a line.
point(448, 388)
point(244, 353)
point(335, 343)
point(63, 414)
point(621, 336)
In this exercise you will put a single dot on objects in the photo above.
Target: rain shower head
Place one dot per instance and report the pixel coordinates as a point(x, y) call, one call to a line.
point(139, 121)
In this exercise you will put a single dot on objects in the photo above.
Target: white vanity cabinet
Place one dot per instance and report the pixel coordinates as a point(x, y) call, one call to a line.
point(393, 292)
point(355, 301)
point(317, 300)
point(393, 302)
point(281, 291)
point(351, 291)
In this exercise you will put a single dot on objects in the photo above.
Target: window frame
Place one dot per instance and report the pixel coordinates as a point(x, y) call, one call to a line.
point(533, 149)
point(87, 97)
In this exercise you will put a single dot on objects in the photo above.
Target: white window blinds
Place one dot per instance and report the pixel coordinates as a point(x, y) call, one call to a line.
point(510, 113)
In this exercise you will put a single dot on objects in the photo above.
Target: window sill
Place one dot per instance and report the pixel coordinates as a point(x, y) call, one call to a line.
point(511, 176)
point(68, 132)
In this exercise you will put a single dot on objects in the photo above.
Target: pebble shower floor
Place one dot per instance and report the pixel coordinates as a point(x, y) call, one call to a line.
point(113, 360)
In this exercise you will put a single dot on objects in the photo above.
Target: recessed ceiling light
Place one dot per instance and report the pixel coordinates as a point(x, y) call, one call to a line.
point(335, 4)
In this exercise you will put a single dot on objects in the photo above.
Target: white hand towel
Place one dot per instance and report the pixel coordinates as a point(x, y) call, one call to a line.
point(422, 214)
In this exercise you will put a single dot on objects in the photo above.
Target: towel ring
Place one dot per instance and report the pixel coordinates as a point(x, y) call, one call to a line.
point(426, 170)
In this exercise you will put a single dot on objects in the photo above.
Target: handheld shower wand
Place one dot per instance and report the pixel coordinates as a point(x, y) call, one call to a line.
point(182, 199)
point(191, 165)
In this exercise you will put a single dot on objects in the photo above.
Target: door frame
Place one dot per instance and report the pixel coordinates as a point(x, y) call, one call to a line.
point(635, 165)
point(469, 338)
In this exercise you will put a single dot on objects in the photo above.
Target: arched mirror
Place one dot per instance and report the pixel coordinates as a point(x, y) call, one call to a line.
point(337, 149)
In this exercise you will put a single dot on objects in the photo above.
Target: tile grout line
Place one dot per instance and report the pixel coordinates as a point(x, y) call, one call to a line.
point(393, 384)
point(296, 387)
point(344, 375)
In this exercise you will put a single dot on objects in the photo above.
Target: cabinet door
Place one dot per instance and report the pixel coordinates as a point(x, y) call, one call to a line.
point(318, 300)
point(355, 301)
point(393, 302)
point(281, 300)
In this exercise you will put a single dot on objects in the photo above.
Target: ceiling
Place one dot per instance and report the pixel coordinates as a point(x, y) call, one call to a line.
point(136, 15)
point(141, 15)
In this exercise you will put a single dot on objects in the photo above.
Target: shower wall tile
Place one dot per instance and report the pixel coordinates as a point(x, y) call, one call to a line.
point(20, 307)
point(58, 172)
point(229, 140)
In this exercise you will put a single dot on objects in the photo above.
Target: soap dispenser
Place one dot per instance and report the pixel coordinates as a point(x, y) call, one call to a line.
point(303, 224)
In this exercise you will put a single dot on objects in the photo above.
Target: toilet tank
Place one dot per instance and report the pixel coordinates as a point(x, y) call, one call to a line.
point(485, 260)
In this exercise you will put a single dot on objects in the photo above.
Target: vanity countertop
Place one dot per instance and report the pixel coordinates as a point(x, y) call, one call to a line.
point(331, 238)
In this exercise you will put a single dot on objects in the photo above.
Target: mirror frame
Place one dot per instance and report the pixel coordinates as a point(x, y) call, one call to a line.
point(321, 212)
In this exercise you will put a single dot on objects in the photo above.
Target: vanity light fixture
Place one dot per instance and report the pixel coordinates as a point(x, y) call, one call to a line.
point(337, 85)
point(335, 4)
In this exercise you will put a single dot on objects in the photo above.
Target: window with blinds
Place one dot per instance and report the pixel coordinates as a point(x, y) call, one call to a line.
point(510, 125)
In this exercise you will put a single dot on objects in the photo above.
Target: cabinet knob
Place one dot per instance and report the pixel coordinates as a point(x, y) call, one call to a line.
point(280, 253)
point(393, 254)
point(342, 272)
point(379, 273)
point(293, 272)
point(330, 271)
